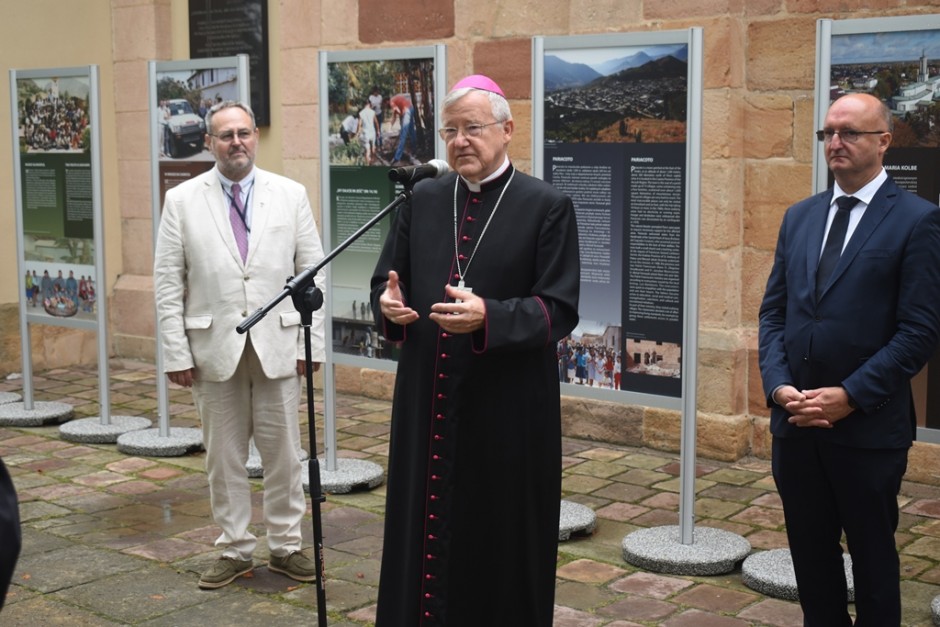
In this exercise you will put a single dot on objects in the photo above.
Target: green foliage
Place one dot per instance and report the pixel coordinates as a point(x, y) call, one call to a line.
point(349, 84)
point(26, 90)
point(170, 89)
point(346, 154)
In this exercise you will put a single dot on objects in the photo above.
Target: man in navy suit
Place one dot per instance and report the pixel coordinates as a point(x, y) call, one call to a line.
point(851, 313)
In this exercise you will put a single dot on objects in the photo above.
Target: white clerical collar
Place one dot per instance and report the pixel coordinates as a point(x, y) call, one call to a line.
point(476, 187)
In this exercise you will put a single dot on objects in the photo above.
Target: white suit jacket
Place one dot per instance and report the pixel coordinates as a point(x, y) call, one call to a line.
point(203, 290)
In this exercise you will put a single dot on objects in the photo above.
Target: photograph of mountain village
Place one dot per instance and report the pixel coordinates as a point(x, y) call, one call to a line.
point(616, 95)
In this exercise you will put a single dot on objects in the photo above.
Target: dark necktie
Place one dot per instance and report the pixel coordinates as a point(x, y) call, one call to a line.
point(236, 215)
point(834, 242)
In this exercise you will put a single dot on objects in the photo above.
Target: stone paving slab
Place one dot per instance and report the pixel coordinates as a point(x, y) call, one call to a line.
point(241, 607)
point(46, 610)
point(136, 597)
point(112, 538)
point(74, 565)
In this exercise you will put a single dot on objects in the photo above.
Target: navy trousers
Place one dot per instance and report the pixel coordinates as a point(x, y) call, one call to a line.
point(828, 489)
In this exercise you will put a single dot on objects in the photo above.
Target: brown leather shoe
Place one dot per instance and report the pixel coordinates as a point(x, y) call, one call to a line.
point(223, 572)
point(295, 565)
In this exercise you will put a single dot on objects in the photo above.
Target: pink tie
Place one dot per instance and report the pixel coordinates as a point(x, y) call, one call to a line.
point(236, 215)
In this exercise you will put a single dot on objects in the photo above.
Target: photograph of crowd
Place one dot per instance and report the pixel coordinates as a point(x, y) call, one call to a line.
point(617, 95)
point(598, 362)
point(592, 365)
point(381, 112)
point(53, 115)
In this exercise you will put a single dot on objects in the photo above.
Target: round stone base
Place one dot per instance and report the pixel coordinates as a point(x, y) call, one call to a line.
point(576, 519)
point(9, 397)
point(92, 431)
point(42, 413)
point(149, 442)
point(771, 573)
point(350, 474)
point(659, 549)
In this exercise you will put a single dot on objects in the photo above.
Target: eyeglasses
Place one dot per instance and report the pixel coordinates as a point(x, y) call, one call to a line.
point(449, 133)
point(848, 136)
point(228, 136)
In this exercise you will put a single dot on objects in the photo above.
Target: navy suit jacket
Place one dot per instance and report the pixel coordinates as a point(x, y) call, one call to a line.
point(875, 325)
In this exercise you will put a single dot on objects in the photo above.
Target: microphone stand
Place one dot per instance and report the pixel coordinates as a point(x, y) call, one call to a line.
point(307, 298)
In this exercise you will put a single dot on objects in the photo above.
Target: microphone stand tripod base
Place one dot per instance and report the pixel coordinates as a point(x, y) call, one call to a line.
point(350, 474)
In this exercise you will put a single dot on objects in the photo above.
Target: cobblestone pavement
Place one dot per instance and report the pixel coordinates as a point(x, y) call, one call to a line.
point(111, 539)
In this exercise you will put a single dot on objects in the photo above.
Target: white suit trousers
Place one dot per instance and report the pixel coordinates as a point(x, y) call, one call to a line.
point(252, 405)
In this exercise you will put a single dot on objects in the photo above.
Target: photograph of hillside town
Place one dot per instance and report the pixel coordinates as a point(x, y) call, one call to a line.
point(618, 95)
point(903, 70)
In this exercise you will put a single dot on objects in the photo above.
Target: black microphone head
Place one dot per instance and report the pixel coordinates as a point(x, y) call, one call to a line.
point(413, 173)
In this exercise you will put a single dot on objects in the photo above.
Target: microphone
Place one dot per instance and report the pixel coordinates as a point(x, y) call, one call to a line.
point(411, 174)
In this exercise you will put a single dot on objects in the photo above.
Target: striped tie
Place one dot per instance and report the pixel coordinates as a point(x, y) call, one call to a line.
point(236, 215)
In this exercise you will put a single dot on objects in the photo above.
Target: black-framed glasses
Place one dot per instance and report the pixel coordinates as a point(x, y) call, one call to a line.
point(848, 135)
point(228, 136)
point(449, 133)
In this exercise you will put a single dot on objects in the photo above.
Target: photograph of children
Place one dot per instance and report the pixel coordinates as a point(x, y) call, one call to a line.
point(53, 115)
point(382, 112)
point(61, 290)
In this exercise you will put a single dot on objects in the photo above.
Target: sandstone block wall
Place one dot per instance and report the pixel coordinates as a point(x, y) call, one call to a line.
point(759, 63)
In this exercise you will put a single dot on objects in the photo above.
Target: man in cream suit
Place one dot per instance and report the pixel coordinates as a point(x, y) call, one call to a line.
point(227, 243)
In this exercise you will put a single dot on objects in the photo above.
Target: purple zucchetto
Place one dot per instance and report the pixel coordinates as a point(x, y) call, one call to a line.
point(478, 81)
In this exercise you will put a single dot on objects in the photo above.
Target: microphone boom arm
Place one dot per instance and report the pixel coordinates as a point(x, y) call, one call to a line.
point(300, 282)
point(307, 298)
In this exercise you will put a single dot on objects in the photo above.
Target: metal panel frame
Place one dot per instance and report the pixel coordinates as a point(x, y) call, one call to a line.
point(99, 325)
point(825, 30)
point(240, 63)
point(439, 53)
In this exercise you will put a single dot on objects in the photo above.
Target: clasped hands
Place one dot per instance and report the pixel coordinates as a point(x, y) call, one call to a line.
point(814, 408)
point(463, 317)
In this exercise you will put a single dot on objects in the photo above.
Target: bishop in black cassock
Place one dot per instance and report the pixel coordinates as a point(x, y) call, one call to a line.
point(478, 280)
